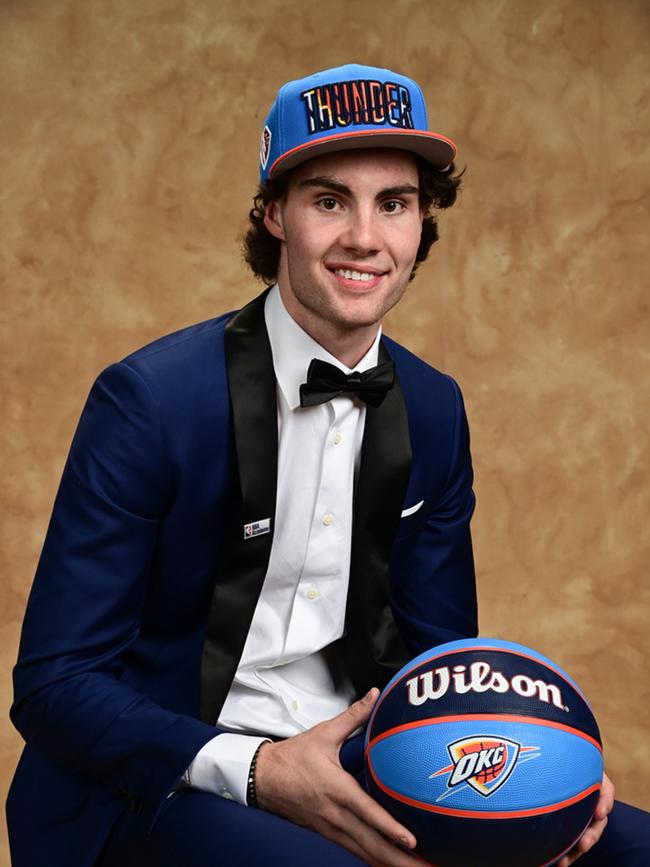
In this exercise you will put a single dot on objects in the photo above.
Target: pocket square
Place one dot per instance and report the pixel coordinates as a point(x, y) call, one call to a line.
point(412, 509)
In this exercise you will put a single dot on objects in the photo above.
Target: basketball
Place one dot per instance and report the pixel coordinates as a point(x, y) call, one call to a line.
point(488, 752)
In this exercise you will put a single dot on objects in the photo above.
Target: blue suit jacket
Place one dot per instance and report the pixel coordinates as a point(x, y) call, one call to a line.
point(167, 463)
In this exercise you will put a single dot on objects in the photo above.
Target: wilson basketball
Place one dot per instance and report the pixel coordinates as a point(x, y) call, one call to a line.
point(488, 752)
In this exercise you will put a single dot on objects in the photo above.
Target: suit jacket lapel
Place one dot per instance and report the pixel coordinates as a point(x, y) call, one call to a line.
point(241, 572)
point(373, 648)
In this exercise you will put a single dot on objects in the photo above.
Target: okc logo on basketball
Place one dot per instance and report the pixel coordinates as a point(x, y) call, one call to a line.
point(483, 762)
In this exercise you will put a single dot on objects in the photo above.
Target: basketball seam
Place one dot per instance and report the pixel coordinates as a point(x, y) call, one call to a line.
point(478, 814)
point(480, 718)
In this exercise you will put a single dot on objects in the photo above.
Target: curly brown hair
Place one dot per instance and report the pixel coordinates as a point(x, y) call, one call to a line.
point(437, 190)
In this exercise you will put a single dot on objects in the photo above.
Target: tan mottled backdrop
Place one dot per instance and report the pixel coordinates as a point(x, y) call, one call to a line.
point(128, 152)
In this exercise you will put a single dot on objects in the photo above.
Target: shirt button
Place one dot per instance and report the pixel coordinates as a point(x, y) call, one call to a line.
point(227, 795)
point(312, 593)
point(337, 438)
point(327, 519)
point(295, 705)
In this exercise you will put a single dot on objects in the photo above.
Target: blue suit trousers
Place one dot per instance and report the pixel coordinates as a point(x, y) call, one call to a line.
point(202, 830)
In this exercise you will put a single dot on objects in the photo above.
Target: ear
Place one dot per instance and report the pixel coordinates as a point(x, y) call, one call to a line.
point(273, 219)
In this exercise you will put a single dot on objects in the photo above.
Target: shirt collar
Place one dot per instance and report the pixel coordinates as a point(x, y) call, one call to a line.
point(293, 349)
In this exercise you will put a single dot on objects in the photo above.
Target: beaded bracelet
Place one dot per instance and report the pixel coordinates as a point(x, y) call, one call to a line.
point(251, 793)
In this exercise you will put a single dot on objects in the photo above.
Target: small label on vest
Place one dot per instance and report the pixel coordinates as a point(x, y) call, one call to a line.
point(257, 528)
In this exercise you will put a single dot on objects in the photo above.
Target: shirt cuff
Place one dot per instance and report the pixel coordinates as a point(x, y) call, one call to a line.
point(221, 766)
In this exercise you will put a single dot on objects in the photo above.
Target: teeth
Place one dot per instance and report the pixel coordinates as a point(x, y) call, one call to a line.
point(355, 275)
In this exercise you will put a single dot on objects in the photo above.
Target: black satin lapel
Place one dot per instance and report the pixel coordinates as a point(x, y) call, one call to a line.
point(373, 647)
point(241, 572)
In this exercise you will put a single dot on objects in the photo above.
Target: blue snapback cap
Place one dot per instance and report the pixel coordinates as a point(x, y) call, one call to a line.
point(348, 107)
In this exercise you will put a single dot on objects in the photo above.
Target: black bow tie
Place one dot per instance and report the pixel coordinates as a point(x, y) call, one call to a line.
point(325, 381)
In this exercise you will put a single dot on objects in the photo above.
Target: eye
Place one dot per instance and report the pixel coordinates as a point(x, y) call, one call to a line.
point(327, 203)
point(393, 206)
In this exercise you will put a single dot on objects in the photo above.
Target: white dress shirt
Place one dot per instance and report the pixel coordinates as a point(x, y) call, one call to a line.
point(284, 683)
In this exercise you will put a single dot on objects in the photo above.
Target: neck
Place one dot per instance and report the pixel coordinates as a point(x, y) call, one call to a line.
point(349, 349)
point(347, 344)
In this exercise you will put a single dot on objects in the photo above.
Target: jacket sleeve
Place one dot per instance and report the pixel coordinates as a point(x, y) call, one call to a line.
point(84, 610)
point(434, 597)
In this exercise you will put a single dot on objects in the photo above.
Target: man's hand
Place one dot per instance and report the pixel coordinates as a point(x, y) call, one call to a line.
point(301, 779)
point(597, 825)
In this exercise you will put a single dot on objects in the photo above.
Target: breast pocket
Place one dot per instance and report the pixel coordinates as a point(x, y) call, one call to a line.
point(412, 518)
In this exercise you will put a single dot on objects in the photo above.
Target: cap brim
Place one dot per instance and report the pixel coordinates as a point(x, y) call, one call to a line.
point(432, 147)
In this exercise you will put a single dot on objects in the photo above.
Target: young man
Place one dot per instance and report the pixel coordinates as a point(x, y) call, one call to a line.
point(261, 519)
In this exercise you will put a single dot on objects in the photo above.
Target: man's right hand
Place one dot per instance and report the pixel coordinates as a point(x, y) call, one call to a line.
point(301, 779)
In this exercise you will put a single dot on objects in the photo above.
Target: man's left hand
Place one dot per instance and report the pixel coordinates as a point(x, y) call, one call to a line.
point(596, 827)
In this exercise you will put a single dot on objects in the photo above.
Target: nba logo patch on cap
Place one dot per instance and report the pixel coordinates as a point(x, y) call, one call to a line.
point(348, 107)
point(265, 146)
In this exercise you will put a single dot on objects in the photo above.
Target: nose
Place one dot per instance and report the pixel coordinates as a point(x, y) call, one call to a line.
point(362, 234)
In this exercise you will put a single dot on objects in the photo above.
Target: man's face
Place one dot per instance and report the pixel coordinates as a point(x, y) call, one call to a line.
point(350, 226)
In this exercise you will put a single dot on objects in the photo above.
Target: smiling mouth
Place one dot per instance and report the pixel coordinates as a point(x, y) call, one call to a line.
point(362, 276)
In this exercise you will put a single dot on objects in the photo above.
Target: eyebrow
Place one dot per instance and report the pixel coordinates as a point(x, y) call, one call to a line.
point(338, 187)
